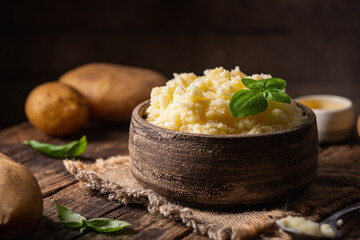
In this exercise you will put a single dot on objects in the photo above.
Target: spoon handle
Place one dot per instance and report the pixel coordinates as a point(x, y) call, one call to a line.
point(334, 217)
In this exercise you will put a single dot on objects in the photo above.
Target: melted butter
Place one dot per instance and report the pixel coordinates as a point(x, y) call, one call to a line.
point(325, 104)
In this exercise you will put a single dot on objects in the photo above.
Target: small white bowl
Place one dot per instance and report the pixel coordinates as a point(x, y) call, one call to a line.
point(334, 114)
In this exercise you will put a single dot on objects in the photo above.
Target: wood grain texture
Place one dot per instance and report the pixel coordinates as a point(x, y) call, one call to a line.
point(220, 170)
point(108, 140)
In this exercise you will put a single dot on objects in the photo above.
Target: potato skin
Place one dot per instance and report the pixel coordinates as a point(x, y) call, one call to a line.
point(113, 90)
point(358, 125)
point(21, 203)
point(56, 109)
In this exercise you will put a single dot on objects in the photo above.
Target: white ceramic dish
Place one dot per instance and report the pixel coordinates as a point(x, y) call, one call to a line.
point(334, 114)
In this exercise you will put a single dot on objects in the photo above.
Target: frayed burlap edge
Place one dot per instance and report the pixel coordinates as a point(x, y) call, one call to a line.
point(157, 204)
point(153, 201)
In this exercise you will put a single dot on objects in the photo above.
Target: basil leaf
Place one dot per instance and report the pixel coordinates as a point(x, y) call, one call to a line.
point(72, 149)
point(79, 148)
point(106, 224)
point(246, 103)
point(252, 84)
point(276, 83)
point(68, 218)
point(264, 81)
point(73, 220)
point(277, 95)
point(253, 101)
point(82, 229)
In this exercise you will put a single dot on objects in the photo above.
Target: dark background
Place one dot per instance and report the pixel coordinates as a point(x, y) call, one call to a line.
point(313, 44)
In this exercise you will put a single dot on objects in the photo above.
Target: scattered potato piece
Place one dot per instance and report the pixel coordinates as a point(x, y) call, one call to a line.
point(56, 108)
point(339, 223)
point(113, 90)
point(21, 201)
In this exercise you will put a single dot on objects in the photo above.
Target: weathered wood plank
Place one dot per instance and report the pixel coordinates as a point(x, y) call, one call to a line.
point(194, 236)
point(77, 199)
point(104, 140)
point(144, 226)
point(50, 173)
point(351, 226)
point(9, 135)
point(136, 216)
point(164, 229)
point(334, 156)
point(108, 140)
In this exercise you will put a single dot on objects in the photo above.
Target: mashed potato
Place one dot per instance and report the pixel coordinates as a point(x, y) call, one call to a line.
point(305, 226)
point(200, 104)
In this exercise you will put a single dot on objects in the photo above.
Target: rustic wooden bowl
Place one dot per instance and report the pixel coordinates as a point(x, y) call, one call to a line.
point(222, 170)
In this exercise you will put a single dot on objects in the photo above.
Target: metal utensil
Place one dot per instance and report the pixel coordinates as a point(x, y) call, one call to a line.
point(330, 220)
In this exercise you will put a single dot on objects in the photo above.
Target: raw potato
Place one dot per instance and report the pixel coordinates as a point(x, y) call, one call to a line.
point(56, 108)
point(358, 125)
point(21, 201)
point(113, 90)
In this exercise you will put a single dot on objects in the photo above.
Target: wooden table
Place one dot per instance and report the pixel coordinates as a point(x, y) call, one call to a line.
point(104, 141)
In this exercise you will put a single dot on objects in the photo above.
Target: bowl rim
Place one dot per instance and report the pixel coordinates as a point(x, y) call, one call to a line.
point(137, 116)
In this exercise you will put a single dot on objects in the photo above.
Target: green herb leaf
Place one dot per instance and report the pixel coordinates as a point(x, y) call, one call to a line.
point(68, 218)
point(246, 103)
point(106, 224)
point(252, 84)
point(82, 229)
point(271, 83)
point(78, 148)
point(277, 95)
point(253, 101)
point(73, 220)
point(72, 149)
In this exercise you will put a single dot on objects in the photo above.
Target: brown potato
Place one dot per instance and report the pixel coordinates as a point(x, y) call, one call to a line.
point(358, 125)
point(56, 108)
point(21, 203)
point(113, 90)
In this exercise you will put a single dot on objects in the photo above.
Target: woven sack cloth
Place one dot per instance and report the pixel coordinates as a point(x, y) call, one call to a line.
point(333, 188)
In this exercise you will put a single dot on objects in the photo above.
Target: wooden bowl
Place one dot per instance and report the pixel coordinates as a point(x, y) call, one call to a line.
point(221, 170)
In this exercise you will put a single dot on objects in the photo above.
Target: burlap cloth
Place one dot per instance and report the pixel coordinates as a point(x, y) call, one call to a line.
point(333, 188)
